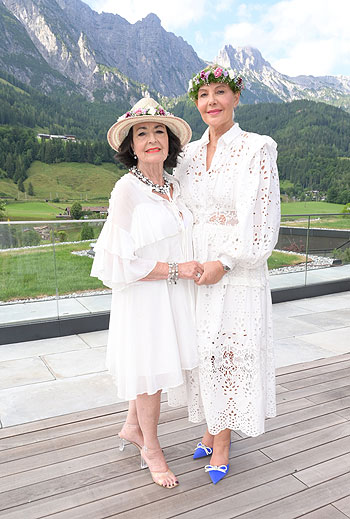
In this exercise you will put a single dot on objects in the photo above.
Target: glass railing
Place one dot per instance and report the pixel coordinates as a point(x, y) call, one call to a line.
point(45, 265)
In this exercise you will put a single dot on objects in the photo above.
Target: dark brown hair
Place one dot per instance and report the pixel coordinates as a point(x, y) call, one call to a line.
point(125, 155)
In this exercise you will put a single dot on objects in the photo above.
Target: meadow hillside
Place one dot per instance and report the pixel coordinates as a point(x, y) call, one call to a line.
point(71, 180)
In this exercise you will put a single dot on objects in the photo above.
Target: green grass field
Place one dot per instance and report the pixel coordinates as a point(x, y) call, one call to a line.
point(66, 181)
point(34, 210)
point(310, 208)
point(33, 273)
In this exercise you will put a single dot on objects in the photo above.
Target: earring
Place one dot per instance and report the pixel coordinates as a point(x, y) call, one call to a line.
point(135, 156)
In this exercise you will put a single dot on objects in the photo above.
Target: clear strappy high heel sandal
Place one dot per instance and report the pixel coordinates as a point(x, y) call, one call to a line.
point(123, 440)
point(159, 478)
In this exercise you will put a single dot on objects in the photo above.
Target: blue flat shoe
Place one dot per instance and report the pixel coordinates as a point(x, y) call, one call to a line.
point(202, 451)
point(216, 472)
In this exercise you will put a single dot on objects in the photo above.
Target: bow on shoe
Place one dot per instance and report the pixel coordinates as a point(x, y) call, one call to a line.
point(220, 468)
point(202, 451)
point(216, 472)
point(207, 450)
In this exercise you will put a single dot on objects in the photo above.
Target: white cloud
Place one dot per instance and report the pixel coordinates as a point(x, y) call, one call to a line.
point(297, 36)
point(178, 13)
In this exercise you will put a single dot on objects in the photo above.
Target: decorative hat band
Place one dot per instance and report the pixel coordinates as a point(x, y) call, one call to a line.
point(214, 74)
point(151, 112)
point(157, 110)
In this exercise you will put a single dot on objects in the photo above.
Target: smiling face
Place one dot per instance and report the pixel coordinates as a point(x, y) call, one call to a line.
point(150, 143)
point(216, 103)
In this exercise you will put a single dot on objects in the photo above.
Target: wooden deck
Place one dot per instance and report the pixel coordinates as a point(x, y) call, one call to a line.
point(69, 467)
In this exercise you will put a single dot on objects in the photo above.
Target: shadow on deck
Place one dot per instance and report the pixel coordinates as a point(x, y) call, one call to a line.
point(70, 467)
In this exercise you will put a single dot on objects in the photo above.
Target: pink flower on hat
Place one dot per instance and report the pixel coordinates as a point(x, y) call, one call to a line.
point(217, 72)
point(138, 112)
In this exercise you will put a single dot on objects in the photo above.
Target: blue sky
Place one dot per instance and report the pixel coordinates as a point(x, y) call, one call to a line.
point(295, 36)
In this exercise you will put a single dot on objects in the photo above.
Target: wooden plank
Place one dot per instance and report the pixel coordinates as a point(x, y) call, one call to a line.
point(195, 481)
point(311, 372)
point(306, 414)
point(307, 501)
point(90, 491)
point(327, 396)
point(343, 505)
point(326, 470)
point(39, 447)
point(57, 432)
point(327, 512)
point(291, 432)
point(88, 461)
point(69, 418)
point(232, 506)
point(345, 413)
point(307, 441)
point(33, 449)
point(317, 379)
point(47, 423)
point(312, 364)
point(313, 390)
point(293, 405)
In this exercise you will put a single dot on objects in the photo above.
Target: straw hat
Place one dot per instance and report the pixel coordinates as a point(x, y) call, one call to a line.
point(149, 111)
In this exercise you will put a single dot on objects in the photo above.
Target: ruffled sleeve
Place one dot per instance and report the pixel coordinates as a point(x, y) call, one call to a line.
point(116, 262)
point(249, 243)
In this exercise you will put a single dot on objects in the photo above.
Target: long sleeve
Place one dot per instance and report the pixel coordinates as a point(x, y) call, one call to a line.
point(117, 263)
point(250, 238)
point(258, 210)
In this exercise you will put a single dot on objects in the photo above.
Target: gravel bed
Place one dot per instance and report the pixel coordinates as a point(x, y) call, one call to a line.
point(314, 262)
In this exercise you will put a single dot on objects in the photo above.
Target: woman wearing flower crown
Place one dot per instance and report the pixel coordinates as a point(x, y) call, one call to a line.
point(229, 181)
point(144, 253)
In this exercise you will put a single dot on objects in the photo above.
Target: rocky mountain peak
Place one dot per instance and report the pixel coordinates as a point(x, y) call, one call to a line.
point(246, 58)
point(151, 19)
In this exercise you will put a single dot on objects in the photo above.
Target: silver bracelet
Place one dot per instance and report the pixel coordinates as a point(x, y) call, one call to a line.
point(173, 274)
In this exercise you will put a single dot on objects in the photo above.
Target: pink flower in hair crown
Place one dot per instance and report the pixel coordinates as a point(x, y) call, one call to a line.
point(218, 71)
point(214, 74)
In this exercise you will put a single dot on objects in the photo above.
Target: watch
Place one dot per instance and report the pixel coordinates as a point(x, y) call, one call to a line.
point(226, 268)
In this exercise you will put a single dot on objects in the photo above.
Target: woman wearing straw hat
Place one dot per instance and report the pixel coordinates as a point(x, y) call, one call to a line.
point(144, 253)
point(229, 181)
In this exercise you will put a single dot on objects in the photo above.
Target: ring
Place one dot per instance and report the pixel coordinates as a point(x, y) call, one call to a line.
point(198, 274)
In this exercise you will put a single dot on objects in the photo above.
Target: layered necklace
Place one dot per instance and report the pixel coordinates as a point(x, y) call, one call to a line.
point(164, 190)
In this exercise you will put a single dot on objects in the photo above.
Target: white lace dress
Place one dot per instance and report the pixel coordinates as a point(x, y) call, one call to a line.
point(152, 337)
point(236, 210)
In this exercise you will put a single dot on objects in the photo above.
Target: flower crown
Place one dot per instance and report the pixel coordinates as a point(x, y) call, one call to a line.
point(158, 110)
point(214, 74)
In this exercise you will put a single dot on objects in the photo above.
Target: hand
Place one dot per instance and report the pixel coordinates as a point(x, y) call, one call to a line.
point(190, 270)
point(213, 272)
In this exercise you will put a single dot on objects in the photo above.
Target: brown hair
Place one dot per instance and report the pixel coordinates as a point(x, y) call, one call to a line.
point(125, 155)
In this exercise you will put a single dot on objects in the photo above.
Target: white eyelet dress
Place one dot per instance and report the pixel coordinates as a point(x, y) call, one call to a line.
point(236, 210)
point(151, 341)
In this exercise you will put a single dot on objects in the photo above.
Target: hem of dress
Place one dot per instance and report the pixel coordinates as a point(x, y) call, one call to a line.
point(249, 434)
point(126, 398)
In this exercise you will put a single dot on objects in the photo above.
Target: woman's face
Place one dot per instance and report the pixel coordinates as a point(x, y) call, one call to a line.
point(150, 142)
point(216, 103)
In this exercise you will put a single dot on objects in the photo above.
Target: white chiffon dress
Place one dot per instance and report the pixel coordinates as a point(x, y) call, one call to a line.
point(152, 338)
point(236, 210)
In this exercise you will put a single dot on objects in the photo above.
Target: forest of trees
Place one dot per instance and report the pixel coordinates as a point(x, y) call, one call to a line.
point(19, 147)
point(313, 138)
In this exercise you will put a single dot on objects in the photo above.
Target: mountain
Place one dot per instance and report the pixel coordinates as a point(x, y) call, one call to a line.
point(102, 52)
point(20, 57)
point(65, 46)
point(263, 83)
